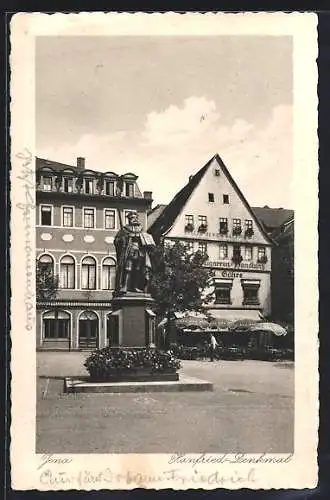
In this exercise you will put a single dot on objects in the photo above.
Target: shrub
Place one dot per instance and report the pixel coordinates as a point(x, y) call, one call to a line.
point(111, 361)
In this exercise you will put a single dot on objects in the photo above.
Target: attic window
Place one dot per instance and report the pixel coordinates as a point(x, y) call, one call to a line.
point(226, 199)
point(211, 197)
point(217, 172)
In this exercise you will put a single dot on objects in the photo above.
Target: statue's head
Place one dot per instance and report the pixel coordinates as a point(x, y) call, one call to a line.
point(133, 219)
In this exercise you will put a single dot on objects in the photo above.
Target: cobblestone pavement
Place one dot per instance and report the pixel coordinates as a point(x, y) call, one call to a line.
point(250, 410)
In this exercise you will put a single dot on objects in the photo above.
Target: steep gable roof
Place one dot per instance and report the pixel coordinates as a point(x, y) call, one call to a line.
point(168, 216)
point(154, 213)
point(165, 221)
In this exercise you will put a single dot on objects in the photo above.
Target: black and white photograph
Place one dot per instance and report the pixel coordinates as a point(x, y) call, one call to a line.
point(167, 297)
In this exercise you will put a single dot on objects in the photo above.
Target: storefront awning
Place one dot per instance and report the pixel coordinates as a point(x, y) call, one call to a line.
point(236, 319)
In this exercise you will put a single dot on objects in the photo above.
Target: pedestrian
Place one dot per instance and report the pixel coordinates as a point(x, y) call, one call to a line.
point(213, 346)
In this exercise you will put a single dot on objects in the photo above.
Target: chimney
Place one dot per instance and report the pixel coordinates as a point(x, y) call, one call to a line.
point(80, 163)
point(147, 195)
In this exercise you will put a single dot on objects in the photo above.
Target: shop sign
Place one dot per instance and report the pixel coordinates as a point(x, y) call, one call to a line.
point(243, 265)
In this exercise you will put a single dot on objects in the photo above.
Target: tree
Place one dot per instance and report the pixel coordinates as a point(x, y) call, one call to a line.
point(46, 282)
point(179, 283)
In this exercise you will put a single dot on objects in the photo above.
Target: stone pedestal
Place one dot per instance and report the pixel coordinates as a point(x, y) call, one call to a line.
point(132, 322)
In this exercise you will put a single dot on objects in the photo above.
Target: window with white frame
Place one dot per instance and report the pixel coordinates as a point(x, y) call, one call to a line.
point(127, 212)
point(88, 274)
point(89, 186)
point(108, 273)
point(223, 251)
point(67, 272)
point(109, 187)
point(202, 248)
point(46, 215)
point(109, 218)
point(129, 189)
point(189, 246)
point(47, 183)
point(223, 225)
point(67, 216)
point(248, 251)
point(89, 218)
point(202, 221)
point(56, 325)
point(68, 184)
point(262, 257)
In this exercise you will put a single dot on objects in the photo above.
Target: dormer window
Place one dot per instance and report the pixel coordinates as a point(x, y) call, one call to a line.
point(129, 189)
point(68, 184)
point(47, 183)
point(109, 188)
point(89, 186)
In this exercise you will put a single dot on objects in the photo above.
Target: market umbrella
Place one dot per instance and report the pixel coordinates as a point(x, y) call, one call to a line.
point(268, 327)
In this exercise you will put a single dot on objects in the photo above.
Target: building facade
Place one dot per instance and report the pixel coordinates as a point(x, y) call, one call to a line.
point(78, 213)
point(210, 214)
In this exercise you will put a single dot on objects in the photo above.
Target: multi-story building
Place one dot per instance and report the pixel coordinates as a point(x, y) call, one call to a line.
point(78, 214)
point(210, 214)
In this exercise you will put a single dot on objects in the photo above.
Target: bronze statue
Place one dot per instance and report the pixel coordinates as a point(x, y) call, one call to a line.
point(133, 259)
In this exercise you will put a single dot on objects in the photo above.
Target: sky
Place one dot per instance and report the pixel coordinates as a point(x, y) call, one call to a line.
point(161, 107)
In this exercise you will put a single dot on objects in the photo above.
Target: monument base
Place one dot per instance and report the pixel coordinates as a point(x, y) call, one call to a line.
point(132, 322)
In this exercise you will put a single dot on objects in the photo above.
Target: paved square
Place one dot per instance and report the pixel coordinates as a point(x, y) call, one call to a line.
point(250, 410)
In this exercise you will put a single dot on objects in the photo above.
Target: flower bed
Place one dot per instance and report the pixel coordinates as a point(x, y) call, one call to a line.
point(139, 364)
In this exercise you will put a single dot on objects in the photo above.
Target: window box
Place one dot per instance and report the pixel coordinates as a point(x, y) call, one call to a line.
point(189, 227)
point(263, 259)
point(249, 233)
point(223, 231)
point(237, 231)
point(251, 301)
point(202, 228)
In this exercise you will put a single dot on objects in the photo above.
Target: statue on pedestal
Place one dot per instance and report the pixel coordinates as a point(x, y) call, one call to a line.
point(133, 259)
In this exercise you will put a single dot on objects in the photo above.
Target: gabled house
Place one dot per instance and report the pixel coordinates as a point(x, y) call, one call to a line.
point(211, 214)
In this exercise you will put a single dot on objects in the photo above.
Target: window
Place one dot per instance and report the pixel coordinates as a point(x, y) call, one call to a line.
point(248, 228)
point(88, 274)
point(108, 274)
point(262, 254)
point(189, 222)
point(67, 214)
point(47, 183)
point(127, 212)
point(89, 217)
point(248, 224)
point(202, 223)
point(211, 197)
point(56, 325)
point(89, 186)
point(46, 215)
point(46, 264)
point(202, 248)
point(250, 292)
point(225, 198)
point(237, 227)
point(248, 253)
point(223, 251)
point(68, 184)
point(109, 188)
point(223, 225)
point(237, 256)
point(129, 189)
point(222, 291)
point(189, 246)
point(67, 272)
point(217, 172)
point(109, 219)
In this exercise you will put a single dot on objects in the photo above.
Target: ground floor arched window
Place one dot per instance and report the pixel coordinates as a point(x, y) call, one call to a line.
point(56, 325)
